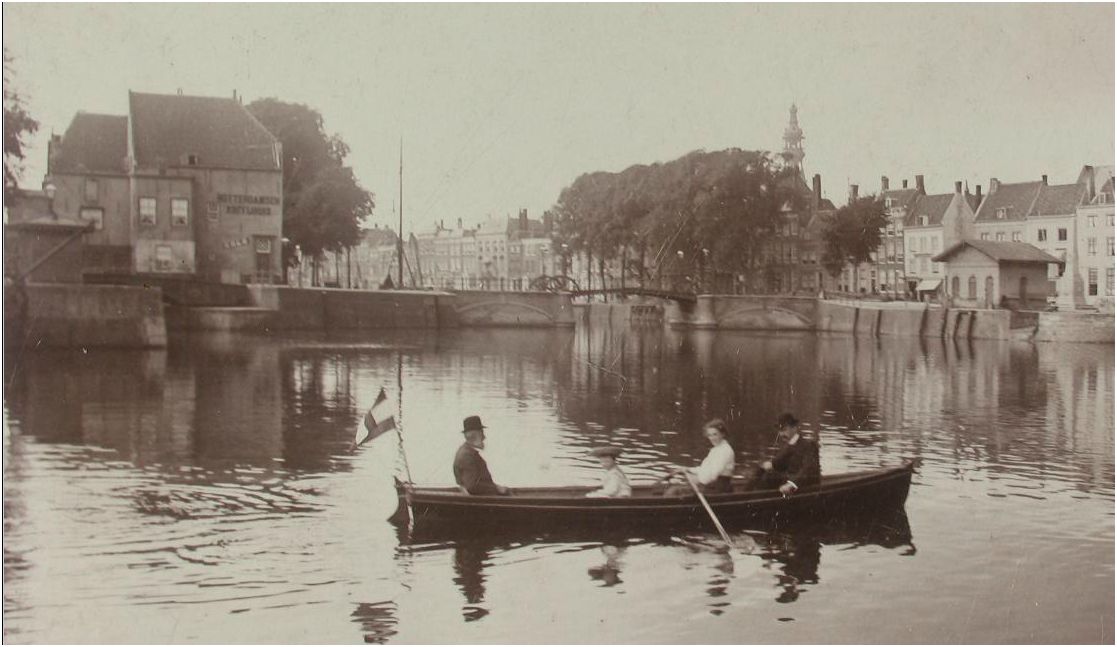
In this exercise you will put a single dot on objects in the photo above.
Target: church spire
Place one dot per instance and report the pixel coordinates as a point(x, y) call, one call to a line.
point(793, 140)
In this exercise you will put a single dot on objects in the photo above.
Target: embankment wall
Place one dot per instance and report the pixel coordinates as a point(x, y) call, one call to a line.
point(58, 315)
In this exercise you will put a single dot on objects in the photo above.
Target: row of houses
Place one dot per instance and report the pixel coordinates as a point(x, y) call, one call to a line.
point(496, 254)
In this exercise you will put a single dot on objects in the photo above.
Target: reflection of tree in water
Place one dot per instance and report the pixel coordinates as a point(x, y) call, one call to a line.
point(377, 619)
point(469, 562)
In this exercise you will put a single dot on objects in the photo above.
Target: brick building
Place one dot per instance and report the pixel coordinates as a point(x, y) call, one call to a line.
point(182, 185)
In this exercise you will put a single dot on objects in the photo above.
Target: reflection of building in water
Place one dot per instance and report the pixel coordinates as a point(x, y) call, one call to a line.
point(112, 399)
point(1079, 407)
point(240, 385)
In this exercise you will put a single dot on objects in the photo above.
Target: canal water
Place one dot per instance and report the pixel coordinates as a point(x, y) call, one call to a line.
point(208, 493)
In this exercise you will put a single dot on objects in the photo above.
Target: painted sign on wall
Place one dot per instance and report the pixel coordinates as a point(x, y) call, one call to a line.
point(236, 204)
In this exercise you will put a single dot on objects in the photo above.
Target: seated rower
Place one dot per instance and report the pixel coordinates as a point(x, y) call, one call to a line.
point(471, 472)
point(614, 483)
point(715, 474)
point(796, 463)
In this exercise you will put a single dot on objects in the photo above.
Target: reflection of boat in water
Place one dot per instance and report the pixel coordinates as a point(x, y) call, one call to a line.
point(790, 552)
point(850, 495)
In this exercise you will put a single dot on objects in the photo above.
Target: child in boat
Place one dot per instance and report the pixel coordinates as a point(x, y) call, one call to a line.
point(614, 483)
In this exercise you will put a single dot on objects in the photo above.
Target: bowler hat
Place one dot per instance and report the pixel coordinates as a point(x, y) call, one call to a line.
point(606, 451)
point(787, 420)
point(472, 423)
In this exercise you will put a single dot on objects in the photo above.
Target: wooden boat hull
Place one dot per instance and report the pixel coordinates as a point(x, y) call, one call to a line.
point(842, 495)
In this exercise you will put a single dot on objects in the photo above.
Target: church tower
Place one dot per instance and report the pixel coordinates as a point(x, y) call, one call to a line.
point(793, 140)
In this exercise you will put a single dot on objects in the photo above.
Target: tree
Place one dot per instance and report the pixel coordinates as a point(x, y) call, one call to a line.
point(18, 124)
point(852, 234)
point(715, 208)
point(323, 202)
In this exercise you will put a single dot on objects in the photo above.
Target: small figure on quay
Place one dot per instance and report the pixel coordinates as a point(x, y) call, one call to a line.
point(470, 469)
point(795, 465)
point(715, 474)
point(614, 483)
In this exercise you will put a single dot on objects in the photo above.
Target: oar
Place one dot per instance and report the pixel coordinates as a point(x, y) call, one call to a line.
point(710, 511)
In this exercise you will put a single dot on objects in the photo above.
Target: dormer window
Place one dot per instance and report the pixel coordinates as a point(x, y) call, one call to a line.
point(923, 220)
point(888, 202)
point(1002, 212)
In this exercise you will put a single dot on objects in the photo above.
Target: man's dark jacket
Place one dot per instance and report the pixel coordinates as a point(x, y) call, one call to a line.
point(798, 463)
point(471, 472)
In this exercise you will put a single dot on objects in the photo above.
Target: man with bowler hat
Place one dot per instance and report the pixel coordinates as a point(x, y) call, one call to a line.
point(795, 465)
point(470, 470)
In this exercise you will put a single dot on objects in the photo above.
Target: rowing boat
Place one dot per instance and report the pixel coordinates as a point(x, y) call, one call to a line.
point(840, 495)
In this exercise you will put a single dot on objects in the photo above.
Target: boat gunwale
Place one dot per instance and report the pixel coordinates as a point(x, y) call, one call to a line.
point(838, 484)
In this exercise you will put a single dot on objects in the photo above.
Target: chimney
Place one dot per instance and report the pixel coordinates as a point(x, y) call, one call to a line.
point(548, 223)
point(978, 194)
point(816, 183)
point(1091, 186)
point(1043, 178)
point(852, 193)
point(883, 183)
point(905, 184)
point(994, 184)
point(441, 223)
point(459, 223)
point(958, 186)
point(919, 184)
point(523, 219)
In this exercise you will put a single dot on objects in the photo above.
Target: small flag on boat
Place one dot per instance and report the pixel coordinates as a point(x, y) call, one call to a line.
point(374, 427)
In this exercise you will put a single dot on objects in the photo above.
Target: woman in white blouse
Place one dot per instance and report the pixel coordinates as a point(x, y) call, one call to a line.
point(715, 474)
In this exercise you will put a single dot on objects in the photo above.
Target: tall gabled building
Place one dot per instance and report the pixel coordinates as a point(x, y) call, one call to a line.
point(183, 185)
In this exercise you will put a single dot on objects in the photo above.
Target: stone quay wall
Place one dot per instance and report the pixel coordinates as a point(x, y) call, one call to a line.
point(337, 309)
point(74, 315)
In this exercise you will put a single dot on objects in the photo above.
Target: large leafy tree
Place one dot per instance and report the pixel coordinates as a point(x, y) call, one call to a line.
point(18, 124)
point(323, 202)
point(718, 208)
point(852, 234)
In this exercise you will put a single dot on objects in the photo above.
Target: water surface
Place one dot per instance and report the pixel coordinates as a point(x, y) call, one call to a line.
point(207, 493)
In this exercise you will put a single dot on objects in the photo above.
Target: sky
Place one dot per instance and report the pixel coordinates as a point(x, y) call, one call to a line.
point(500, 106)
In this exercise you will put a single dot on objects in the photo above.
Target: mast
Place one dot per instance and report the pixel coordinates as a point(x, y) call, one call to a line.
point(399, 244)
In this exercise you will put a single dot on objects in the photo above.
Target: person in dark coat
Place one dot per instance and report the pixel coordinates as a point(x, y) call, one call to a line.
point(795, 465)
point(470, 470)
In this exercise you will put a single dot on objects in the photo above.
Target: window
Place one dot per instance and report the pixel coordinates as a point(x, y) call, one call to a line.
point(985, 235)
point(1017, 237)
point(1109, 281)
point(1109, 220)
point(1002, 213)
point(90, 190)
point(954, 289)
point(1091, 221)
point(1041, 235)
point(888, 202)
point(96, 215)
point(1000, 235)
point(915, 244)
point(147, 211)
point(923, 220)
point(212, 211)
point(971, 288)
point(1062, 233)
point(163, 258)
point(923, 264)
point(1092, 246)
point(1109, 242)
point(180, 212)
point(1092, 282)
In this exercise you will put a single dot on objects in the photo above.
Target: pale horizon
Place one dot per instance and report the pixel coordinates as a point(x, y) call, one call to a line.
point(501, 106)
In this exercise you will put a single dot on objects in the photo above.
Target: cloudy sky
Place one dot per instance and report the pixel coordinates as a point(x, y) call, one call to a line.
point(501, 106)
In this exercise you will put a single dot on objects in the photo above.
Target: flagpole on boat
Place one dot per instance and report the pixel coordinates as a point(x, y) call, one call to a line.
point(399, 413)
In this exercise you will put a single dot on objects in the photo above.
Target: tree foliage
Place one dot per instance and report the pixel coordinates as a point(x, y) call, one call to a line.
point(853, 233)
point(18, 124)
point(323, 202)
point(723, 205)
